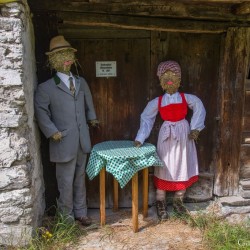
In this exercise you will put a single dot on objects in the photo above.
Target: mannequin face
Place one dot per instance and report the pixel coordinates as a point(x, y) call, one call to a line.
point(170, 82)
point(62, 60)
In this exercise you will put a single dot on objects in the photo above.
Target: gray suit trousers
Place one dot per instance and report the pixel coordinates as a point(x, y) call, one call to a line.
point(71, 185)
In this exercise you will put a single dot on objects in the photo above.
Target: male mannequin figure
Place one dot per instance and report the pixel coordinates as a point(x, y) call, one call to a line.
point(63, 106)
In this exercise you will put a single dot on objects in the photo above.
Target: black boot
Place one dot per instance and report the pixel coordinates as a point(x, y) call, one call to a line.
point(161, 210)
point(178, 207)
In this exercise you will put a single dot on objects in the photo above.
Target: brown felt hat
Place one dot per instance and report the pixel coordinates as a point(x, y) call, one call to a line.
point(58, 43)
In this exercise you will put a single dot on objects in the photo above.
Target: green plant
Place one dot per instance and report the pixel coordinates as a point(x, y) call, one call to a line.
point(55, 234)
point(219, 234)
point(222, 235)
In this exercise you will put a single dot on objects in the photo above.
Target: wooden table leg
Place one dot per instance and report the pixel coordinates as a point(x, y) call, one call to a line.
point(145, 192)
point(115, 195)
point(135, 202)
point(102, 197)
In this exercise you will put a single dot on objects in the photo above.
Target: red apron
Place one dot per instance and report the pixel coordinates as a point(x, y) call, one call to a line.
point(174, 113)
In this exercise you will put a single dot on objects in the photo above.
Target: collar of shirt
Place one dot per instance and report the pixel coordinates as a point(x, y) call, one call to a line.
point(168, 99)
point(65, 78)
point(176, 94)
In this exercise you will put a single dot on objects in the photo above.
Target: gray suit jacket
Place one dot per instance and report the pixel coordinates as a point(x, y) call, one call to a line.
point(57, 109)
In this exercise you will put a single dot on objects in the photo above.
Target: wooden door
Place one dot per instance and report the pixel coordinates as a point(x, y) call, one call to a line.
point(199, 58)
point(118, 100)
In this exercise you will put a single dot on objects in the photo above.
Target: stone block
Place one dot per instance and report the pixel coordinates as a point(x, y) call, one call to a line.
point(6, 24)
point(18, 140)
point(13, 9)
point(245, 184)
point(12, 27)
point(10, 214)
point(9, 119)
point(245, 162)
point(234, 201)
point(7, 154)
point(14, 178)
point(20, 198)
point(227, 210)
point(15, 235)
point(10, 77)
point(27, 216)
point(11, 55)
point(13, 97)
point(245, 193)
point(201, 190)
point(238, 218)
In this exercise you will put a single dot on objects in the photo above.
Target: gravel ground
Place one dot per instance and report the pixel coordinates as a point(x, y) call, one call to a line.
point(118, 234)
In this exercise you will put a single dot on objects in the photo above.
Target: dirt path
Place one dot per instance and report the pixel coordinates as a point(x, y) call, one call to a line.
point(118, 234)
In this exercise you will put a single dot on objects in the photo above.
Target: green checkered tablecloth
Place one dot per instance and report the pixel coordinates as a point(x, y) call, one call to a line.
point(121, 159)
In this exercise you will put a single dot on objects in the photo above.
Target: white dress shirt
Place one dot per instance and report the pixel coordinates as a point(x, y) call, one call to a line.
point(149, 114)
point(65, 78)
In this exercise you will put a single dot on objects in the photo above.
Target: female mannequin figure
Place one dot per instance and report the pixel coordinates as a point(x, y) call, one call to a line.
point(176, 140)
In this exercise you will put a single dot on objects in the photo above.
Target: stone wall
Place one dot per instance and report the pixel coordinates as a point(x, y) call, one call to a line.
point(21, 185)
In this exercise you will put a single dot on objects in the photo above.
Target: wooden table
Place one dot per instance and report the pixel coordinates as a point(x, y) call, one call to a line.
point(123, 161)
point(134, 197)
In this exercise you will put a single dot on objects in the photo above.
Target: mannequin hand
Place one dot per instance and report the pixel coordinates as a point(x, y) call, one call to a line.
point(194, 134)
point(94, 123)
point(57, 136)
point(137, 144)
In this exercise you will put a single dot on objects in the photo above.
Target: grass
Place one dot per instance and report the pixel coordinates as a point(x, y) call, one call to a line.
point(56, 234)
point(224, 236)
point(219, 234)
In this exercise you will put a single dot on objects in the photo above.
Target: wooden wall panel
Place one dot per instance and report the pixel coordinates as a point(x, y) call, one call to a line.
point(198, 55)
point(119, 100)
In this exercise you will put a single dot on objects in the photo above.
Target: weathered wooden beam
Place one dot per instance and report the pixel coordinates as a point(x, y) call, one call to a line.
point(200, 10)
point(242, 9)
point(92, 32)
point(233, 72)
point(163, 1)
point(140, 23)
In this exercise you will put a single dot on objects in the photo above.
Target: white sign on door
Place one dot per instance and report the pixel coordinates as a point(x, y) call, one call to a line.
point(105, 69)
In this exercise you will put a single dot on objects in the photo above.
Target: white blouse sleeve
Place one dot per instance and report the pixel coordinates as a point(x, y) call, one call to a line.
point(199, 112)
point(147, 120)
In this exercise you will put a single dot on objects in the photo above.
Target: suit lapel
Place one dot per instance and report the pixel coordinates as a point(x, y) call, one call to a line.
point(61, 85)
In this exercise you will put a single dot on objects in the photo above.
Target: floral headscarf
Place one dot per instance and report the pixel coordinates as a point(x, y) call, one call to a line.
point(169, 65)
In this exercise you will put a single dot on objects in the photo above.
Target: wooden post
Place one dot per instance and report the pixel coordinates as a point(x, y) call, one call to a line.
point(102, 197)
point(115, 195)
point(233, 71)
point(145, 192)
point(135, 202)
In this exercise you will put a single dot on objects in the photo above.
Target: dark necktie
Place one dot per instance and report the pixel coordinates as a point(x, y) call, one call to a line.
point(71, 86)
